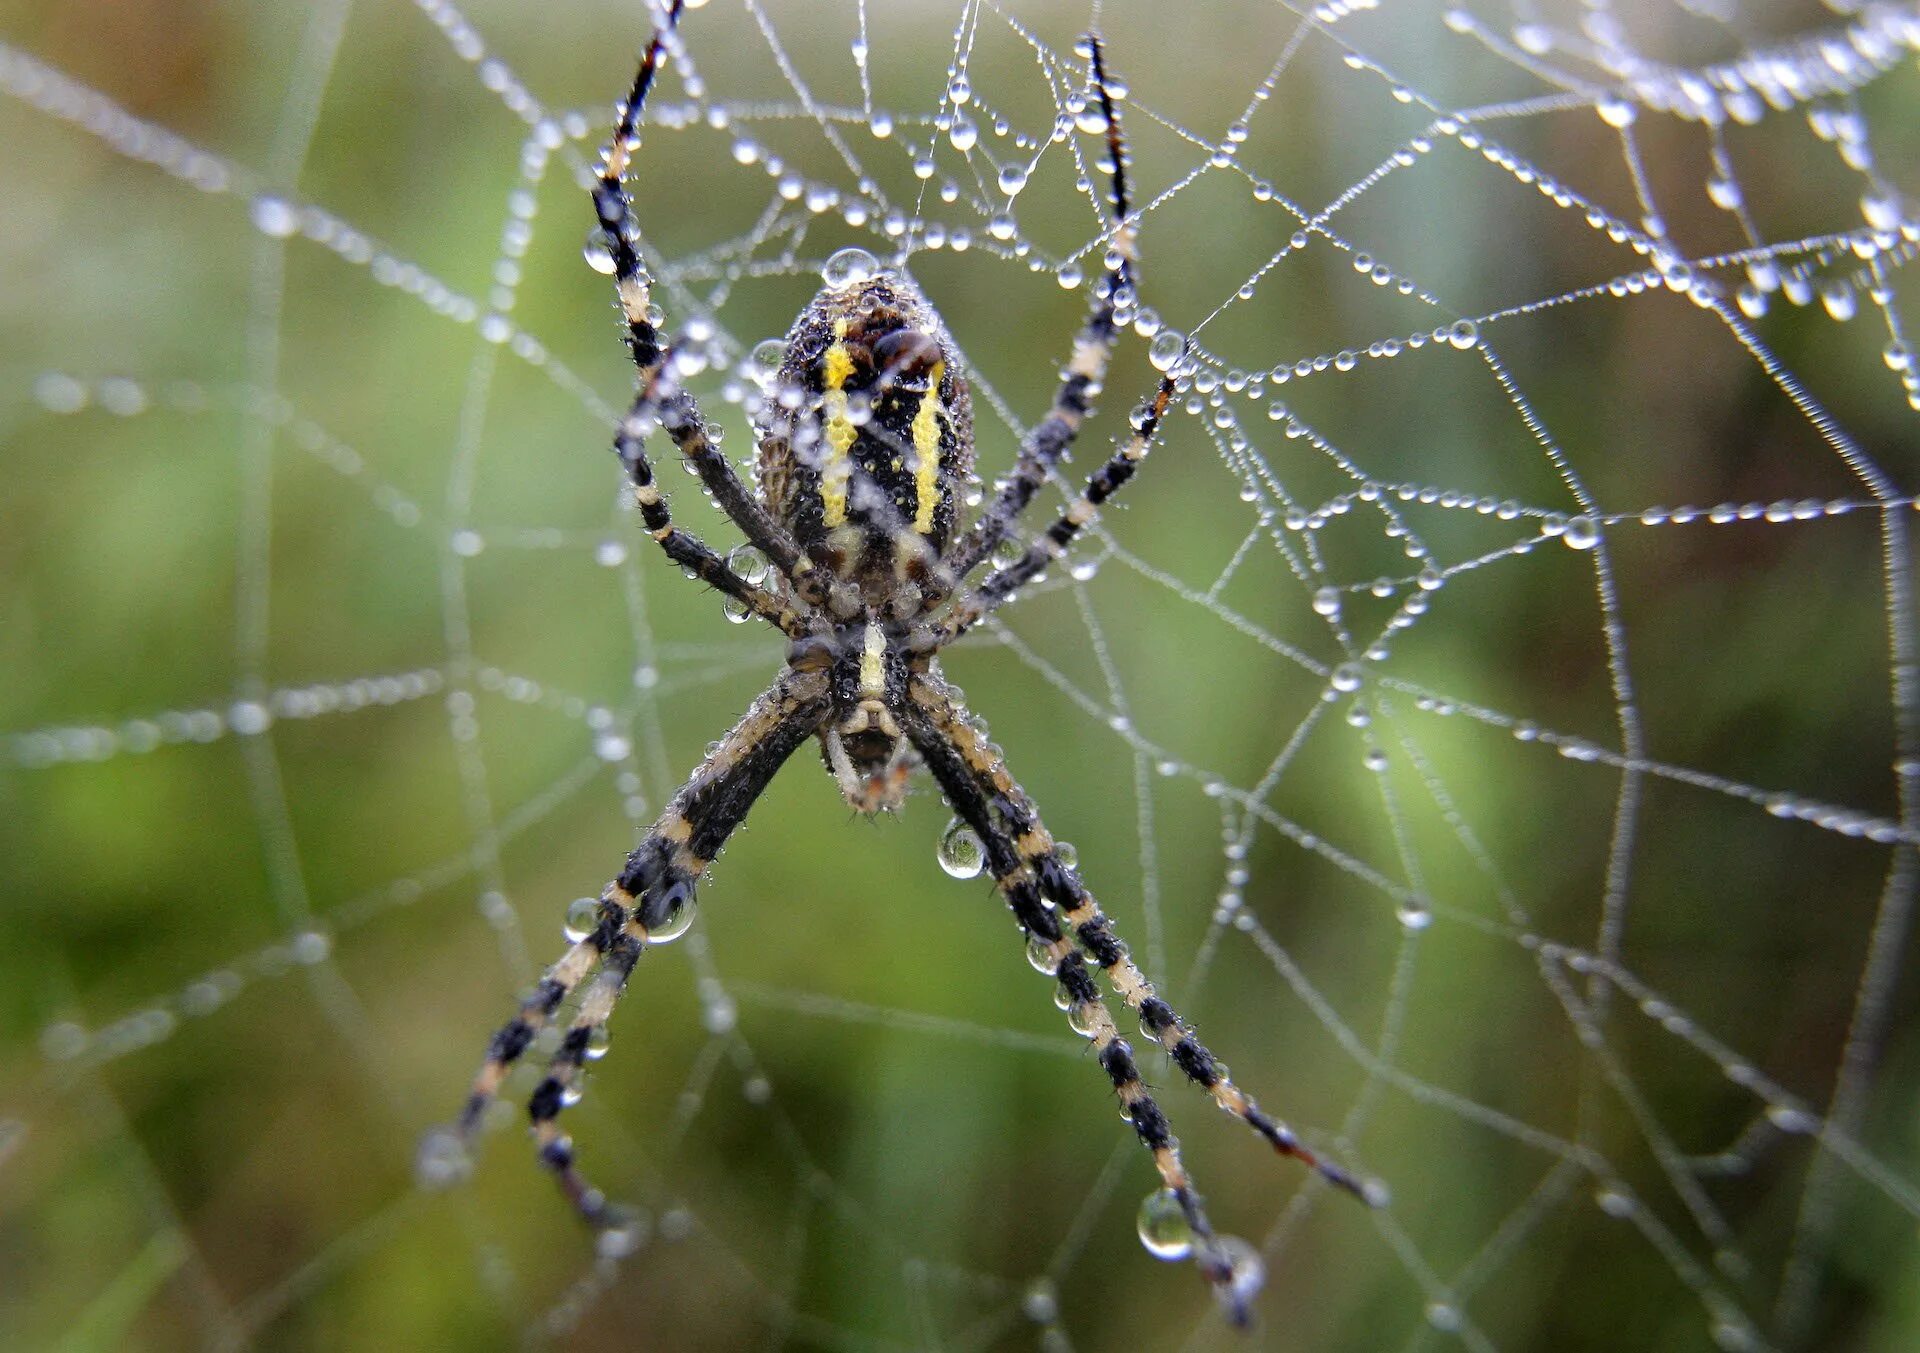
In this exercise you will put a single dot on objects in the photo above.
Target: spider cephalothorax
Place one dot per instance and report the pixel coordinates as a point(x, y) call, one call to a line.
point(865, 444)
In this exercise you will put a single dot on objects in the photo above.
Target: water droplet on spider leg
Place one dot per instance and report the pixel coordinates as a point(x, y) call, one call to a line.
point(735, 610)
point(764, 361)
point(750, 563)
point(677, 919)
point(598, 1041)
point(960, 852)
point(1246, 1271)
point(1163, 1226)
point(1040, 955)
point(1067, 854)
point(583, 914)
point(849, 268)
point(598, 256)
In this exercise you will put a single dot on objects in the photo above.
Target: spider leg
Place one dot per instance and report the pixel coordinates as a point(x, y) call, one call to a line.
point(683, 547)
point(1086, 1009)
point(1085, 370)
point(665, 401)
point(1037, 874)
point(657, 882)
point(999, 586)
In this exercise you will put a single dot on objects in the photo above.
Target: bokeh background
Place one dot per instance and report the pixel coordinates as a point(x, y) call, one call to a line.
point(334, 670)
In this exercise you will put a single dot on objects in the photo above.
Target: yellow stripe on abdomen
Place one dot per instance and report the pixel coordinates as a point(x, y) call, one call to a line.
point(926, 447)
point(837, 470)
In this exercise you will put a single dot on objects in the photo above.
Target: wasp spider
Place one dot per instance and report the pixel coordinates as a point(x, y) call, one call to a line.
point(862, 464)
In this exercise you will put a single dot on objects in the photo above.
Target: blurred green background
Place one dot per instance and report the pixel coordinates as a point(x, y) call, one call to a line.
point(426, 678)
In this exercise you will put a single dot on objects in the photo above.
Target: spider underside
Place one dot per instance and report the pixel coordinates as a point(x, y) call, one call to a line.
point(864, 452)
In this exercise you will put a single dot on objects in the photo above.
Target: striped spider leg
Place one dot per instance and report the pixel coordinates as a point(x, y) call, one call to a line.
point(1068, 932)
point(1081, 379)
point(651, 901)
point(661, 400)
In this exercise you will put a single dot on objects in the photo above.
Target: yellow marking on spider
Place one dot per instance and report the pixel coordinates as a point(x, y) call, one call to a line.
point(872, 672)
point(836, 366)
point(926, 446)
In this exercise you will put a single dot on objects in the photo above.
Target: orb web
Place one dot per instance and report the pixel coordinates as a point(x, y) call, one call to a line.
point(1490, 714)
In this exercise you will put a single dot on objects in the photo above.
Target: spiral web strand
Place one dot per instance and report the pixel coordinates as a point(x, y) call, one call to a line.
point(1735, 207)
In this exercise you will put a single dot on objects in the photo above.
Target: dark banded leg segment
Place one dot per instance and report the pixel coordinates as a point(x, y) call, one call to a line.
point(656, 884)
point(683, 547)
point(674, 409)
point(1085, 371)
point(1086, 1009)
point(1087, 929)
point(1000, 586)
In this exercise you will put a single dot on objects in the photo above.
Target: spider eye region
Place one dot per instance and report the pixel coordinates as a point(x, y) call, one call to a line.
point(866, 459)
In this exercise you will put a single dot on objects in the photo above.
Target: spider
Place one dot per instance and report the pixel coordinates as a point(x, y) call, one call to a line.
point(863, 458)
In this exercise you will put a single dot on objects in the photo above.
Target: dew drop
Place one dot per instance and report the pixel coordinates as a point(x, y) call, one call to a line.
point(735, 610)
point(622, 1230)
point(678, 919)
point(583, 915)
point(598, 256)
point(850, 267)
point(1165, 350)
point(1326, 601)
point(274, 216)
point(749, 563)
point(1582, 533)
point(1246, 1271)
point(1463, 334)
point(1413, 915)
point(1346, 678)
point(960, 851)
point(1163, 1226)
point(442, 1160)
point(1040, 956)
point(1013, 177)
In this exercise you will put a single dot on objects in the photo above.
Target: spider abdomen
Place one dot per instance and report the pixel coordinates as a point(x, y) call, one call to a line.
point(870, 439)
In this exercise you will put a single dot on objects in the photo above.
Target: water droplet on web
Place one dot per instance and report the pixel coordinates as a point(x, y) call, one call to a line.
point(1582, 533)
point(1164, 352)
point(1013, 177)
point(1414, 915)
point(442, 1160)
point(1463, 334)
point(850, 267)
point(1346, 678)
point(274, 216)
point(1615, 112)
point(622, 1230)
point(1326, 601)
point(583, 915)
point(1163, 1226)
point(1001, 226)
point(960, 852)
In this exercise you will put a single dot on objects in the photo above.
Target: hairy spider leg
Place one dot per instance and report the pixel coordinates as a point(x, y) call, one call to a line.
point(683, 547)
point(664, 401)
point(1001, 585)
point(1085, 370)
point(1086, 1010)
point(1038, 865)
point(657, 882)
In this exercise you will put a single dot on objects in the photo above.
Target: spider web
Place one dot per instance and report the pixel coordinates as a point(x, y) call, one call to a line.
point(1491, 715)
